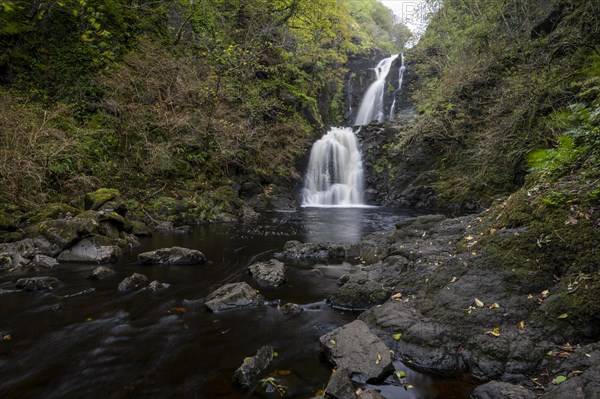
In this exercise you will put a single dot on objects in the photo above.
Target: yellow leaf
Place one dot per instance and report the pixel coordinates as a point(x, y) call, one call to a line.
point(397, 336)
point(400, 374)
point(332, 341)
point(378, 359)
point(409, 386)
point(522, 325)
point(396, 297)
point(469, 238)
point(545, 294)
point(454, 280)
point(563, 316)
point(479, 303)
point(529, 296)
point(494, 306)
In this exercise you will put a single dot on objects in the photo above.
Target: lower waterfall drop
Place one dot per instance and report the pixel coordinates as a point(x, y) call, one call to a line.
point(335, 171)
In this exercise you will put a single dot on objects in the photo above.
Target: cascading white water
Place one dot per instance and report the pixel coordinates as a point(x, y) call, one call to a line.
point(372, 104)
point(335, 171)
point(398, 91)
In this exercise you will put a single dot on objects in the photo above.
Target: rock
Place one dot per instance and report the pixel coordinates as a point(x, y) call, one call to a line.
point(65, 232)
point(584, 386)
point(295, 250)
point(271, 272)
point(355, 348)
point(172, 256)
point(248, 213)
point(135, 281)
point(105, 198)
point(100, 272)
point(292, 309)
point(51, 211)
point(157, 286)
point(140, 229)
point(6, 261)
point(501, 390)
point(370, 394)
point(232, 296)
point(44, 261)
point(36, 283)
point(251, 368)
point(90, 250)
point(340, 386)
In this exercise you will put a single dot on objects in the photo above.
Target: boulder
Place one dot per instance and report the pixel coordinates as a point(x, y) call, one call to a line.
point(63, 233)
point(105, 198)
point(133, 282)
point(91, 250)
point(292, 309)
point(100, 272)
point(295, 250)
point(172, 256)
point(340, 386)
point(355, 348)
point(251, 368)
point(158, 286)
point(271, 272)
point(370, 394)
point(6, 261)
point(501, 390)
point(44, 261)
point(140, 229)
point(232, 296)
point(36, 283)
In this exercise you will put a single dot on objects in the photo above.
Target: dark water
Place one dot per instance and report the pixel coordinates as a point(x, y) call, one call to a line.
point(86, 339)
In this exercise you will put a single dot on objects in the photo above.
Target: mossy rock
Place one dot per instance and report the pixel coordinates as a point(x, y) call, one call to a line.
point(94, 201)
point(228, 198)
point(50, 211)
point(140, 229)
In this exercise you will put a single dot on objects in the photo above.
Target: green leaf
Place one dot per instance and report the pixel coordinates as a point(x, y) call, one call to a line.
point(559, 379)
point(400, 374)
point(563, 316)
point(397, 336)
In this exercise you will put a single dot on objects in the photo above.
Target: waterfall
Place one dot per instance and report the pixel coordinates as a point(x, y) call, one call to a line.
point(335, 172)
point(372, 104)
point(398, 91)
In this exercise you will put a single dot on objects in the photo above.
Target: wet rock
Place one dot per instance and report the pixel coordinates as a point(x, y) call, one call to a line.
point(157, 286)
point(248, 213)
point(100, 272)
point(584, 386)
point(91, 250)
point(140, 229)
point(292, 309)
point(501, 390)
point(172, 256)
point(248, 372)
point(6, 261)
point(271, 272)
point(65, 232)
point(105, 198)
point(135, 281)
point(36, 283)
point(355, 348)
point(340, 386)
point(295, 250)
point(370, 394)
point(232, 296)
point(44, 261)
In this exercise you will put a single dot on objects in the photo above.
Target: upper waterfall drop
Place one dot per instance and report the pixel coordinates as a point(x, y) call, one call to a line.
point(372, 104)
point(398, 91)
point(335, 171)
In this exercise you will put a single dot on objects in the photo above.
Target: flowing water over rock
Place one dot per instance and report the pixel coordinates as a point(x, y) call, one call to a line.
point(335, 171)
point(372, 105)
point(398, 91)
point(84, 338)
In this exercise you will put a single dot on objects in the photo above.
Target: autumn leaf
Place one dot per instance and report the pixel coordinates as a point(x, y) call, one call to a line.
point(177, 310)
point(397, 336)
point(479, 303)
point(396, 297)
point(522, 325)
point(495, 332)
point(400, 374)
point(378, 359)
point(283, 372)
point(494, 306)
point(563, 316)
point(332, 341)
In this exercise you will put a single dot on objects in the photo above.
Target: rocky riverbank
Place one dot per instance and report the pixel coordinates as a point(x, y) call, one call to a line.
point(442, 303)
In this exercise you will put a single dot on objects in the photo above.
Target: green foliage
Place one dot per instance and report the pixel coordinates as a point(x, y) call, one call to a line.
point(556, 160)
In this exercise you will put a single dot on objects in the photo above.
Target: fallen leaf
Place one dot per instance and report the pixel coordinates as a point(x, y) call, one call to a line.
point(454, 280)
point(479, 303)
point(378, 359)
point(545, 294)
point(275, 354)
point(522, 325)
point(246, 359)
point(7, 337)
point(283, 372)
point(559, 379)
point(396, 297)
point(564, 354)
point(563, 316)
point(571, 220)
point(587, 355)
point(177, 310)
point(566, 347)
point(469, 238)
point(332, 341)
point(397, 336)
point(409, 386)
point(400, 374)
point(494, 306)
point(575, 373)
point(89, 319)
point(529, 296)
point(495, 332)
point(550, 353)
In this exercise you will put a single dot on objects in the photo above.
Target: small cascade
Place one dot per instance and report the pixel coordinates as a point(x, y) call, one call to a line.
point(372, 104)
point(398, 91)
point(335, 171)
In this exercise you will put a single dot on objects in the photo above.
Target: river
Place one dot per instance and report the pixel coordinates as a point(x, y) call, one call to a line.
point(86, 339)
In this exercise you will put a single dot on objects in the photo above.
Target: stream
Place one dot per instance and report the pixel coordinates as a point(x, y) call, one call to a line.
point(86, 339)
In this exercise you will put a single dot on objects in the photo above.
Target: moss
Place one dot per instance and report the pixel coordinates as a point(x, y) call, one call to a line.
point(100, 197)
point(50, 211)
